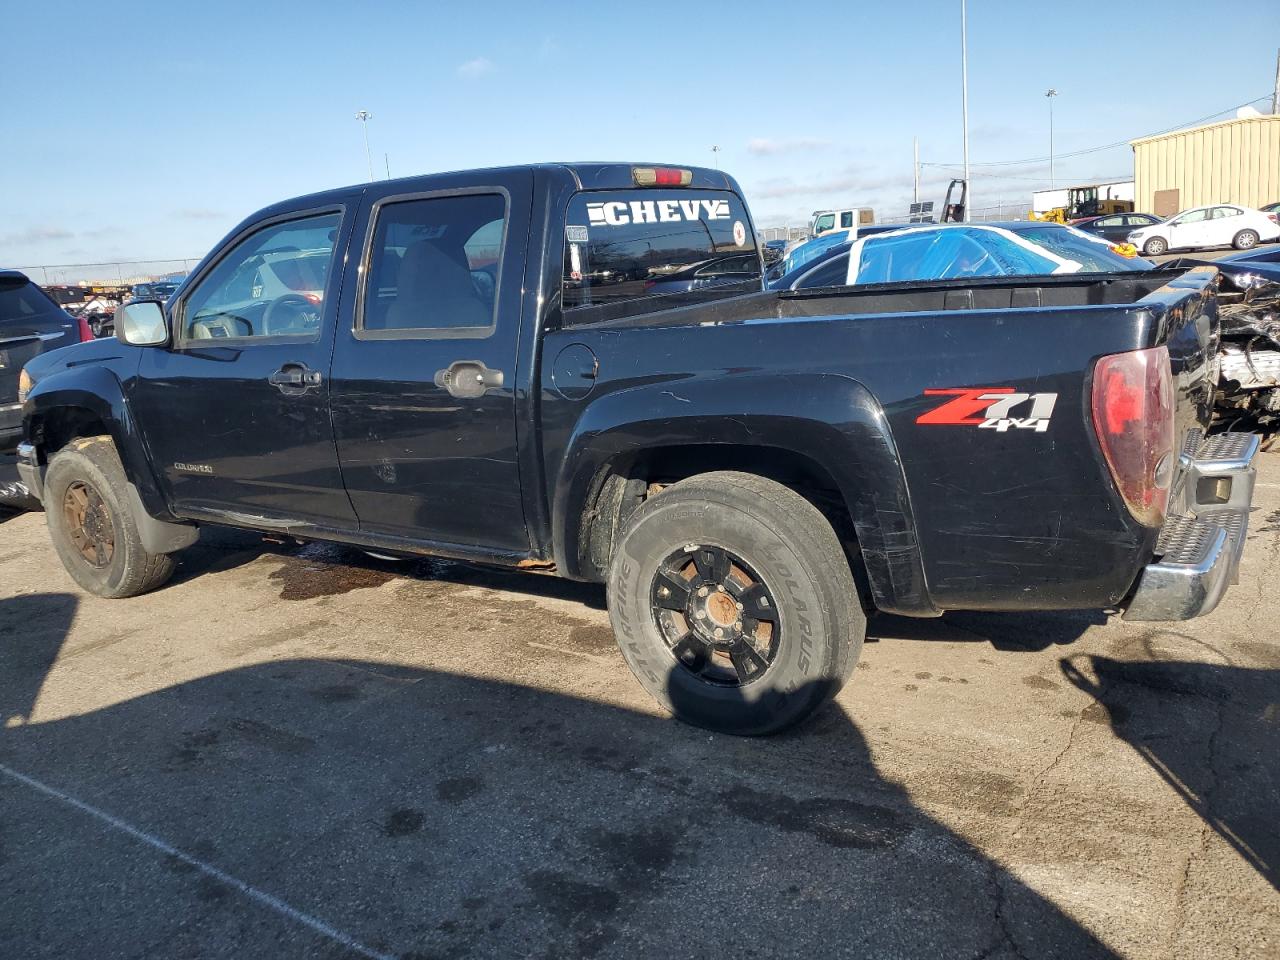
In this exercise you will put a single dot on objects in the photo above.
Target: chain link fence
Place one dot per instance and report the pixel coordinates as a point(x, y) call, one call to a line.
point(787, 233)
point(1004, 211)
point(120, 272)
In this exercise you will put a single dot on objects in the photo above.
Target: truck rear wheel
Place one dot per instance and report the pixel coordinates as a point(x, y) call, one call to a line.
point(733, 603)
point(91, 525)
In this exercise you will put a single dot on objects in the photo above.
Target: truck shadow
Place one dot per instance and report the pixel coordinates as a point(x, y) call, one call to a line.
point(1209, 731)
point(430, 814)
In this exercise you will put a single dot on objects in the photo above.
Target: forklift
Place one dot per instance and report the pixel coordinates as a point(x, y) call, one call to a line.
point(1083, 202)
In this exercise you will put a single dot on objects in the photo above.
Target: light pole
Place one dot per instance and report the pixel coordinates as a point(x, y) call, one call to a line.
point(1049, 96)
point(964, 103)
point(364, 116)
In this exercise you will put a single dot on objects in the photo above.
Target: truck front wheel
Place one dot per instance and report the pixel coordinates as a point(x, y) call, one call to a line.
point(91, 525)
point(733, 603)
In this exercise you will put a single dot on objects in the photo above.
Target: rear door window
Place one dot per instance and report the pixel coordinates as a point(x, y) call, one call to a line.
point(646, 247)
point(433, 268)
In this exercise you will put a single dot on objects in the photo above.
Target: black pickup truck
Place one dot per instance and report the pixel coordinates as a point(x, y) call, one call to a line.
point(474, 365)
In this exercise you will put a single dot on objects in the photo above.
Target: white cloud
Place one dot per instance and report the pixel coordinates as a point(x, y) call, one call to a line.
point(766, 147)
point(476, 67)
point(35, 235)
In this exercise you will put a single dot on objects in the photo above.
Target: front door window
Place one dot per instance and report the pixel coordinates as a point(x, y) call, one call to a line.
point(271, 284)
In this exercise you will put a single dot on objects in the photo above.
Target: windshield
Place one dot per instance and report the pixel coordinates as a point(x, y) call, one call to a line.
point(1094, 254)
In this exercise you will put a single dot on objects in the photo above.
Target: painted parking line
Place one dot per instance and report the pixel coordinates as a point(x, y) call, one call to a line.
point(250, 891)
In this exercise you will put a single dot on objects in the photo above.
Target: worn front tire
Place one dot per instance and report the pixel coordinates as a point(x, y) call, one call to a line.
point(91, 525)
point(696, 550)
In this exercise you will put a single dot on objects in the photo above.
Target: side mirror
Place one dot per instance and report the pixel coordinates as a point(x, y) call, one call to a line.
point(142, 324)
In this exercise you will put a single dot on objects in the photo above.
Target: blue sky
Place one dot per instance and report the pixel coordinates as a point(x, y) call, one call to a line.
point(137, 130)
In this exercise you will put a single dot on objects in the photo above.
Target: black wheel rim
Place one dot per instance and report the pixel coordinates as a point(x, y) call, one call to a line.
point(89, 524)
point(716, 615)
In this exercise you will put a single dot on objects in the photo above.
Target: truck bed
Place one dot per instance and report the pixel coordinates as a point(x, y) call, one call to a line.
point(995, 293)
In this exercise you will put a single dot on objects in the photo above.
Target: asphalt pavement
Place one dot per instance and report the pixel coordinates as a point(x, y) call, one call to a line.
point(305, 752)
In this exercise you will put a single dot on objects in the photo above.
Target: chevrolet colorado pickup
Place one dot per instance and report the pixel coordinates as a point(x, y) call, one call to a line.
point(474, 365)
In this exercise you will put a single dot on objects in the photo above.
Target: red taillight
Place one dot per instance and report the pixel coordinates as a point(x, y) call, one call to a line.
point(86, 332)
point(661, 177)
point(1274, 218)
point(1133, 417)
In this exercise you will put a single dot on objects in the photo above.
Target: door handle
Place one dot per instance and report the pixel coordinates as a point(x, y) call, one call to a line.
point(295, 378)
point(468, 379)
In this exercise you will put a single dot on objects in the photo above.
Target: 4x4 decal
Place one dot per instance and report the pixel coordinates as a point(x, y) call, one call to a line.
point(990, 408)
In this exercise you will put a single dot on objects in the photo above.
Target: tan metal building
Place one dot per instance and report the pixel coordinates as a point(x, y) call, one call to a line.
point(1233, 161)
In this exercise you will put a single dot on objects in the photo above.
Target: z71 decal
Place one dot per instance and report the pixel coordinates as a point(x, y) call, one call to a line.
point(990, 408)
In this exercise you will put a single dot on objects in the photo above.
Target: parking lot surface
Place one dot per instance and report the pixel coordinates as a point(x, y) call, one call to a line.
point(305, 752)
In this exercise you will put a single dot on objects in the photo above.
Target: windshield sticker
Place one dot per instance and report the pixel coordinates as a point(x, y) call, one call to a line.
point(616, 213)
point(990, 408)
point(739, 234)
point(575, 234)
point(575, 262)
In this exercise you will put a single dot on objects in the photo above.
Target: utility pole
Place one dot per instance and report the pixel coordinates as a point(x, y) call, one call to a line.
point(1050, 95)
point(364, 116)
point(915, 188)
point(1275, 96)
point(964, 103)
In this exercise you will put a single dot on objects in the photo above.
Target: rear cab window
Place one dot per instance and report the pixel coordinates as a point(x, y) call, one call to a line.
point(635, 251)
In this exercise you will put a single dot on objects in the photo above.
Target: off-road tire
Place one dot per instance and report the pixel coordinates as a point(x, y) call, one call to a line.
point(93, 464)
point(1245, 240)
point(793, 549)
point(1155, 247)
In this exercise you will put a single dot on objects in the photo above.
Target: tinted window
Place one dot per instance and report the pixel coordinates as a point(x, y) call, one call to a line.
point(22, 301)
point(1109, 222)
point(846, 220)
point(638, 245)
point(271, 284)
point(832, 273)
point(1139, 221)
point(433, 265)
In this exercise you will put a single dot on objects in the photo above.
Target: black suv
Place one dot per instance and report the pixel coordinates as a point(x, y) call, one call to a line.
point(30, 323)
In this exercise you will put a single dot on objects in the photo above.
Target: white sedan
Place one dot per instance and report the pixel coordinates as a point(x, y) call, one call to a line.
point(1221, 225)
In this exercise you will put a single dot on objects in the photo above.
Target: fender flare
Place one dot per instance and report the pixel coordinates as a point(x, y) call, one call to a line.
point(96, 389)
point(830, 419)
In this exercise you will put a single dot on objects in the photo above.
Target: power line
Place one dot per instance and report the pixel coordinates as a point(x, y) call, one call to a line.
point(954, 168)
point(1108, 146)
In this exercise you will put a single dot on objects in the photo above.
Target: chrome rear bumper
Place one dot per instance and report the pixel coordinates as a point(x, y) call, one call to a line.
point(1198, 553)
